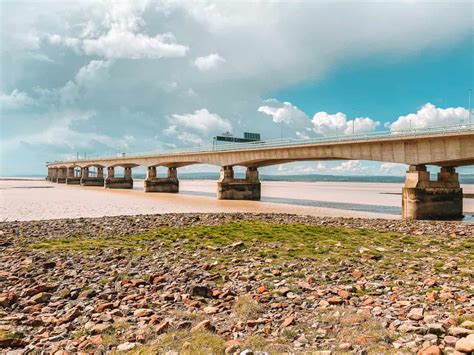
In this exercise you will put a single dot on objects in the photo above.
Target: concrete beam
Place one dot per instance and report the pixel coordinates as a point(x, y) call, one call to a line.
point(425, 199)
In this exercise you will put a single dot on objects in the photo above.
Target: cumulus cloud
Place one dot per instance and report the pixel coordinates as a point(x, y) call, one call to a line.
point(63, 132)
point(208, 62)
point(202, 121)
point(124, 44)
point(431, 116)
point(196, 128)
point(322, 124)
point(17, 99)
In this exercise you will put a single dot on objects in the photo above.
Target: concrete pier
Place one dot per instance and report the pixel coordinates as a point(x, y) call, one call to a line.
point(168, 184)
point(61, 177)
point(229, 188)
point(113, 182)
point(87, 180)
point(425, 199)
point(71, 179)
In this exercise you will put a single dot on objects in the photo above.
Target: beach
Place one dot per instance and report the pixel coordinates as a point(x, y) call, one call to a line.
point(32, 199)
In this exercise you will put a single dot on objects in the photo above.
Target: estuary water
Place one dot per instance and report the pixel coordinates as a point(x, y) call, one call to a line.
point(35, 199)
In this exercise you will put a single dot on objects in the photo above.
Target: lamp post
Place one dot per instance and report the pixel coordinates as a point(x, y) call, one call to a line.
point(469, 117)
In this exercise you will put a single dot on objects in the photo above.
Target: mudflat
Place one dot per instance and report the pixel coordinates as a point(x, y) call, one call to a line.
point(37, 200)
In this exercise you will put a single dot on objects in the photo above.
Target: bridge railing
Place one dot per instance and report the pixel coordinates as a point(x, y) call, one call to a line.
point(415, 132)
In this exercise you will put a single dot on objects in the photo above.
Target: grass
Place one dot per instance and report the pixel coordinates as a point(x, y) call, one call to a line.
point(283, 242)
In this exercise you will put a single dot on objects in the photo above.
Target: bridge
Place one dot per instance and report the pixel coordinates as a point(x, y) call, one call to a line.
point(446, 147)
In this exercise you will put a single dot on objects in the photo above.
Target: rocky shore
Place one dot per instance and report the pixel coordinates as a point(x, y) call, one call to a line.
point(236, 284)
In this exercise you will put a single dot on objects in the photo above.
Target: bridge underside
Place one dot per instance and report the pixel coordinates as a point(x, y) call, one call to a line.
point(422, 198)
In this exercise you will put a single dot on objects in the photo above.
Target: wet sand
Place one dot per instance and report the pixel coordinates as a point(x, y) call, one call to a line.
point(37, 200)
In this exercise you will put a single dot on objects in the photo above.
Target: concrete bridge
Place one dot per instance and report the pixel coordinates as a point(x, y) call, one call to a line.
point(445, 147)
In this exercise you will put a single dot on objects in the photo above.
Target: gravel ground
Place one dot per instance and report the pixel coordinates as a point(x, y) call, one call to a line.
point(215, 283)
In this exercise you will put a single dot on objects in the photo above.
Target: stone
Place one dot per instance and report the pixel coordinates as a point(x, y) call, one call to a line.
point(435, 328)
point(162, 327)
point(449, 340)
point(430, 350)
point(465, 345)
point(41, 297)
point(142, 312)
point(416, 313)
point(468, 324)
point(287, 322)
point(459, 331)
point(205, 325)
point(127, 346)
point(70, 315)
point(345, 346)
point(211, 310)
point(200, 291)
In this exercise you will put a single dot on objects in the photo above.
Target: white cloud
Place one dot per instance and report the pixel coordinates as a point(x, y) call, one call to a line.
point(393, 168)
point(208, 62)
point(351, 166)
point(323, 123)
point(17, 99)
point(196, 128)
point(202, 121)
point(62, 132)
point(431, 116)
point(124, 44)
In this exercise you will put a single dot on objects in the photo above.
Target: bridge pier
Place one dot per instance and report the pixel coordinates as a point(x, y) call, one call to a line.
point(229, 188)
point(168, 184)
point(113, 182)
point(425, 199)
point(71, 179)
point(61, 178)
point(50, 174)
point(87, 180)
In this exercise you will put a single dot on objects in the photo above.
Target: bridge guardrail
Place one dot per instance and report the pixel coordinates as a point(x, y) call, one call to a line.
point(416, 132)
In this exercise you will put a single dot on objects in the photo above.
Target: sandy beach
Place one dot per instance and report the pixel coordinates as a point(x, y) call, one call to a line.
point(37, 200)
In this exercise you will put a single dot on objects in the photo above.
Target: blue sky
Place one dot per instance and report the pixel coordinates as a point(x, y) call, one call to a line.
point(103, 77)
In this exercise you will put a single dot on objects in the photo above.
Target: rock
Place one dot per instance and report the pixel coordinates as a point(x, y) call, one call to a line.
point(468, 324)
point(345, 346)
point(237, 245)
point(12, 343)
point(449, 340)
point(100, 328)
point(211, 310)
point(200, 291)
point(459, 332)
point(335, 300)
point(104, 306)
point(430, 350)
point(416, 313)
point(205, 325)
point(126, 346)
point(435, 328)
point(70, 315)
point(7, 299)
point(142, 312)
point(41, 297)
point(465, 345)
point(287, 322)
point(162, 327)
point(246, 352)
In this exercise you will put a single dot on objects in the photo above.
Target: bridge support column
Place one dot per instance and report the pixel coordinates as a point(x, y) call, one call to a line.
point(54, 175)
point(168, 184)
point(229, 188)
point(87, 180)
point(50, 173)
point(71, 179)
point(113, 182)
point(61, 179)
point(425, 199)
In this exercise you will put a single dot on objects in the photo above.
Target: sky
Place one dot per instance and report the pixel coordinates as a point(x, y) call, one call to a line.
point(104, 77)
